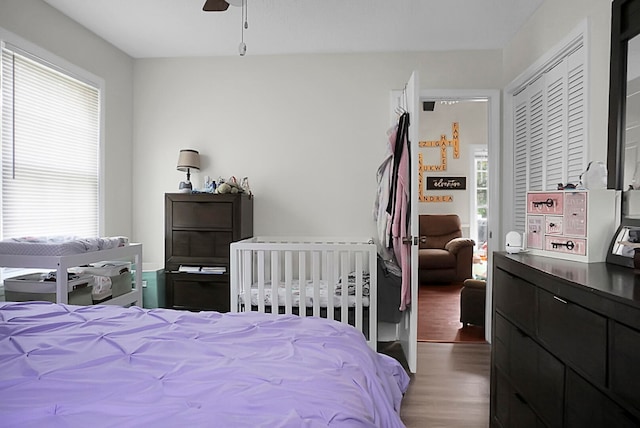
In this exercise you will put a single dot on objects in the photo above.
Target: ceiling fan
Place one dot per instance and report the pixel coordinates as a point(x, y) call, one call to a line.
point(220, 5)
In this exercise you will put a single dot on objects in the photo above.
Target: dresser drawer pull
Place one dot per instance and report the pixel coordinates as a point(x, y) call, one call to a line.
point(560, 300)
point(569, 244)
point(548, 202)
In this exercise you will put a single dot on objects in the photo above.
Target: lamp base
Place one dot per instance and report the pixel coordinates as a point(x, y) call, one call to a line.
point(185, 187)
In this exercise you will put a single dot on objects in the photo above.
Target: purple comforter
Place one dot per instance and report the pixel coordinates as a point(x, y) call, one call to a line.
point(107, 366)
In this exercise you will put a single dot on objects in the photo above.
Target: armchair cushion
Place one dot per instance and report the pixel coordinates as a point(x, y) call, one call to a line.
point(456, 244)
point(433, 258)
point(444, 256)
point(437, 230)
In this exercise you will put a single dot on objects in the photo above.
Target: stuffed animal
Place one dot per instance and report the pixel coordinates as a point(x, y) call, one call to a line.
point(223, 188)
point(232, 186)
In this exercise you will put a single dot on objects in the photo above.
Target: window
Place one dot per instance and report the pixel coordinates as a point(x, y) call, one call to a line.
point(481, 171)
point(482, 174)
point(50, 149)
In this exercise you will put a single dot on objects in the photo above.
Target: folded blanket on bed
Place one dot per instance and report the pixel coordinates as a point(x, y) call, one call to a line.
point(351, 284)
point(59, 245)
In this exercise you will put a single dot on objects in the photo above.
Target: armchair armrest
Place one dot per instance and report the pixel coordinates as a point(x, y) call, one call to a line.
point(475, 284)
point(456, 244)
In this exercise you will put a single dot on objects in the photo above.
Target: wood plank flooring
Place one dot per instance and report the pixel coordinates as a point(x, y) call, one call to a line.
point(439, 316)
point(450, 388)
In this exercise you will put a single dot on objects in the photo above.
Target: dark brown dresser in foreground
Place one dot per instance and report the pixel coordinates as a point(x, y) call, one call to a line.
point(566, 343)
point(198, 230)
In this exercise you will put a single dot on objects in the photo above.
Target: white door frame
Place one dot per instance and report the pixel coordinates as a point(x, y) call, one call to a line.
point(495, 185)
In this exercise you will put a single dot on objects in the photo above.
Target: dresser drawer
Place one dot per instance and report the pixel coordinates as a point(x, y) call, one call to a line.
point(545, 203)
point(575, 212)
point(564, 244)
point(586, 406)
point(516, 299)
point(576, 335)
point(535, 231)
point(201, 244)
point(553, 224)
point(202, 215)
point(500, 343)
point(625, 364)
point(510, 408)
point(537, 375)
point(198, 292)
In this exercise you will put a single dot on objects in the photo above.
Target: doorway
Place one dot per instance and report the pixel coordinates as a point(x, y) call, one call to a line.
point(480, 147)
point(479, 204)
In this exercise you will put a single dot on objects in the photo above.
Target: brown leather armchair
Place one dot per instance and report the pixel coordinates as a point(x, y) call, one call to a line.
point(444, 256)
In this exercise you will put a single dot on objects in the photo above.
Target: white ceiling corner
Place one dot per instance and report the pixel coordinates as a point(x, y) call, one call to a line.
point(176, 28)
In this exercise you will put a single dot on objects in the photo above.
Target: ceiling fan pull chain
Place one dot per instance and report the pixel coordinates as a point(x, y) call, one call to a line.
point(246, 14)
point(242, 48)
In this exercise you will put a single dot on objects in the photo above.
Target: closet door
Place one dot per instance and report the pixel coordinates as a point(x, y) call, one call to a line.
point(549, 129)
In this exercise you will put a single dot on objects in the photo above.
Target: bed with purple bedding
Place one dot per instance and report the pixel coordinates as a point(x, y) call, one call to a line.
point(108, 366)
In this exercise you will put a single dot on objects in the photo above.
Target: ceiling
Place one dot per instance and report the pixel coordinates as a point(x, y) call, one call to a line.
point(175, 28)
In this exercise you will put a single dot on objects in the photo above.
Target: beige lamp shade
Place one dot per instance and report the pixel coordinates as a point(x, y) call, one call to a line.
point(188, 159)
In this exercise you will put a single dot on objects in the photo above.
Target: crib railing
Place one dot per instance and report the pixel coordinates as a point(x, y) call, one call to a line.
point(331, 278)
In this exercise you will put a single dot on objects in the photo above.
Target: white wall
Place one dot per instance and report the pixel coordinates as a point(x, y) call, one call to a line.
point(308, 130)
point(472, 118)
point(44, 26)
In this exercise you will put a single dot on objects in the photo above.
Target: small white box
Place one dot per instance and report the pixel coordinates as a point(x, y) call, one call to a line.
point(571, 224)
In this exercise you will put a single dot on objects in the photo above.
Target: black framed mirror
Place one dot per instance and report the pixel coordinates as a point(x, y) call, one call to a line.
point(623, 153)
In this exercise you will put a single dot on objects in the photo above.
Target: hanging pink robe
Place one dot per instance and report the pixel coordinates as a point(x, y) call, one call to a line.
point(399, 230)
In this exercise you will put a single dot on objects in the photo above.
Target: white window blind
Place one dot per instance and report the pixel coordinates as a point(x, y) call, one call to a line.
point(549, 126)
point(50, 149)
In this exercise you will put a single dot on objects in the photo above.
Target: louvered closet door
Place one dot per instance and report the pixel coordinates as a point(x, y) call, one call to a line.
point(566, 134)
point(555, 83)
point(550, 135)
point(577, 155)
point(538, 156)
point(521, 138)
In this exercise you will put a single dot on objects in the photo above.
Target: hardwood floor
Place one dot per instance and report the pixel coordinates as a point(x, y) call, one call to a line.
point(439, 316)
point(451, 387)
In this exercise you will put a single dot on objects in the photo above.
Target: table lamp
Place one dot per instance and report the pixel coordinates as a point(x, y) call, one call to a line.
point(188, 159)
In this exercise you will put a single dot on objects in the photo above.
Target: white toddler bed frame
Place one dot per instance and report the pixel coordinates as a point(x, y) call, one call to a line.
point(270, 270)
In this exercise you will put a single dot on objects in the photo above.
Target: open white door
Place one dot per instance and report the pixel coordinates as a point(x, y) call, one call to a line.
point(408, 327)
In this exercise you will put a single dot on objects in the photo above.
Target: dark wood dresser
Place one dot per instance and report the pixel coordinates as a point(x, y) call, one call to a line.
point(566, 343)
point(198, 230)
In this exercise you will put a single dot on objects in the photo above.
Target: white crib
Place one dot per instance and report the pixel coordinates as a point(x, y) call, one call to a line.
point(309, 272)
